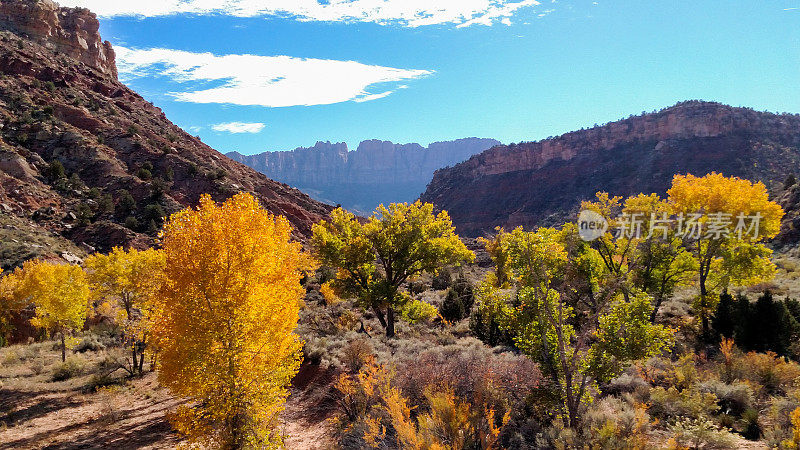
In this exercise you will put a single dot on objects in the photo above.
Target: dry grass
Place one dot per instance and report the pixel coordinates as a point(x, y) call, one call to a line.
point(36, 412)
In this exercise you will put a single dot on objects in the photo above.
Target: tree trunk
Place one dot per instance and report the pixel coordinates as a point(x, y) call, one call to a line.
point(656, 307)
point(703, 307)
point(380, 315)
point(63, 347)
point(390, 322)
point(141, 362)
point(135, 361)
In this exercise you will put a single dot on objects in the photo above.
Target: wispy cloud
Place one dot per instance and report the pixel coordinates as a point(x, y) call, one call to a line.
point(272, 81)
point(411, 13)
point(239, 127)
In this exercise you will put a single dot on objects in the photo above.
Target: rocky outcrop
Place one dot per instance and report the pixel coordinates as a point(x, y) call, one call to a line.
point(536, 183)
point(86, 163)
point(376, 172)
point(69, 31)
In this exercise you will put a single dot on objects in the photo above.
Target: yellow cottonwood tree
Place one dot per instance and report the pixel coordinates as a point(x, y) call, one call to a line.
point(60, 293)
point(225, 319)
point(10, 303)
point(127, 280)
point(732, 254)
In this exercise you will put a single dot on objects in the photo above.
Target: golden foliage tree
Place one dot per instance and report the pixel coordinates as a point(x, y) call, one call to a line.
point(125, 281)
point(732, 254)
point(377, 258)
point(10, 304)
point(60, 293)
point(225, 320)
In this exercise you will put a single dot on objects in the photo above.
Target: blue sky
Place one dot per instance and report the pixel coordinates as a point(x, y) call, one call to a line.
point(261, 75)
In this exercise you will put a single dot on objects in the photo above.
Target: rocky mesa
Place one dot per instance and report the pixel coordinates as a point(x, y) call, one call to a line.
point(541, 183)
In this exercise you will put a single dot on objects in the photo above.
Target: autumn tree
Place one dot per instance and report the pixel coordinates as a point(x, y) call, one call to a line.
point(725, 221)
point(10, 304)
point(125, 281)
point(563, 312)
point(59, 292)
point(225, 319)
point(375, 259)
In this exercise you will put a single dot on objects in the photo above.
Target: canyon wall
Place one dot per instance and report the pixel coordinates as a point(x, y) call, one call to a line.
point(376, 172)
point(543, 182)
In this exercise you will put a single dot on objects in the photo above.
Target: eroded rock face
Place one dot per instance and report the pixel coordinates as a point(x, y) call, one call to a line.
point(71, 31)
point(376, 172)
point(538, 183)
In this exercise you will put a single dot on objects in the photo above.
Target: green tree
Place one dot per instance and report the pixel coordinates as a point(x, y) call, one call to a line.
point(660, 262)
point(562, 315)
point(375, 259)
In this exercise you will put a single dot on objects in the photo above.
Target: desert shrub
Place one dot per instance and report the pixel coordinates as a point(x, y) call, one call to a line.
point(452, 308)
point(356, 354)
point(673, 403)
point(110, 411)
point(157, 189)
point(778, 424)
point(37, 367)
point(105, 205)
point(375, 413)
point(772, 374)
point(144, 174)
point(458, 301)
point(630, 382)
point(89, 343)
point(442, 280)
point(154, 212)
point(84, 213)
point(416, 311)
point(733, 399)
point(17, 354)
point(55, 171)
point(126, 204)
point(473, 371)
point(751, 428)
point(701, 433)
point(484, 323)
point(612, 423)
point(417, 287)
point(131, 223)
point(72, 367)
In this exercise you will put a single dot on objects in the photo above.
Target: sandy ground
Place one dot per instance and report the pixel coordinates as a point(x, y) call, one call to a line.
point(38, 413)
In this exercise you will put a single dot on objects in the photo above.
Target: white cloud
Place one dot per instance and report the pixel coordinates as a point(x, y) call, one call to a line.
point(272, 81)
point(411, 13)
point(239, 127)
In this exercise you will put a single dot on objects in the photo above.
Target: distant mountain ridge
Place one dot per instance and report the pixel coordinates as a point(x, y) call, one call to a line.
point(542, 183)
point(376, 172)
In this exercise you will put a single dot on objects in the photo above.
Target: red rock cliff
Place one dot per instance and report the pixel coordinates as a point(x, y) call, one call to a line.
point(71, 31)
